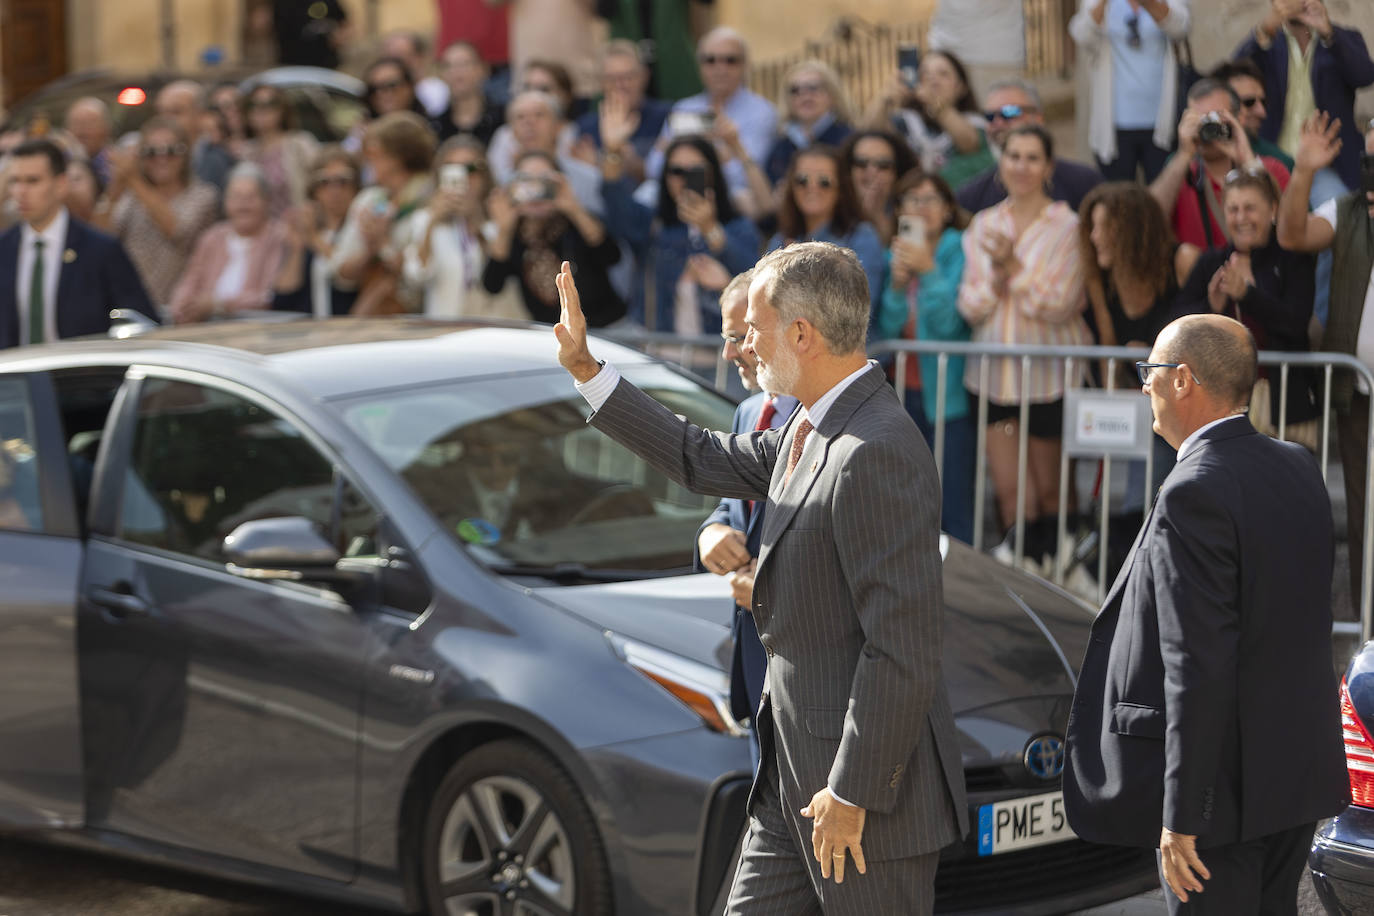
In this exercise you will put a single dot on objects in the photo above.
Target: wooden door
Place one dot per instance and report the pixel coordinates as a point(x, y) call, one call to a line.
point(33, 45)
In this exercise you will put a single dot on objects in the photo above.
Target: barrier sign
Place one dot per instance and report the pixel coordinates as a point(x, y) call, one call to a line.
point(1117, 423)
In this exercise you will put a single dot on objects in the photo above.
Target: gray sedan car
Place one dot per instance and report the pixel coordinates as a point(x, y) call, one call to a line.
point(364, 609)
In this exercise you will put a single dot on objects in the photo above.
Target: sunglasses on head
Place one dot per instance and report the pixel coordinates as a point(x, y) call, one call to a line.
point(1006, 113)
point(1250, 171)
point(883, 165)
point(729, 60)
point(824, 182)
point(152, 152)
point(805, 88)
point(388, 86)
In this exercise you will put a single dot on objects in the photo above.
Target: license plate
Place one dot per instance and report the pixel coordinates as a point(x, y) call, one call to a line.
point(1020, 823)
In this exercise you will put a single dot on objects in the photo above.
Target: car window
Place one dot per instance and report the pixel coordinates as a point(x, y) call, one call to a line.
point(20, 506)
point(512, 471)
point(205, 461)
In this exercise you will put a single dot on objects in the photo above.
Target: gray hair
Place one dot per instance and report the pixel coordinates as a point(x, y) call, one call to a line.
point(252, 172)
point(551, 101)
point(198, 93)
point(823, 284)
point(1219, 351)
point(737, 282)
point(724, 31)
point(1021, 85)
point(1206, 86)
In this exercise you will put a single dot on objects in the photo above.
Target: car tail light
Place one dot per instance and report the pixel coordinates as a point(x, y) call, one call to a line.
point(1359, 753)
point(703, 690)
point(131, 95)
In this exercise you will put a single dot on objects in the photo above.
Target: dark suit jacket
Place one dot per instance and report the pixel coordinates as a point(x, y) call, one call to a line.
point(97, 276)
point(1276, 309)
point(1337, 72)
point(1207, 702)
point(848, 601)
point(749, 663)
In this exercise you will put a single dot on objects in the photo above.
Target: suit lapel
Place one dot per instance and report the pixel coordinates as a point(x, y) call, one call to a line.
point(814, 453)
point(9, 296)
point(65, 272)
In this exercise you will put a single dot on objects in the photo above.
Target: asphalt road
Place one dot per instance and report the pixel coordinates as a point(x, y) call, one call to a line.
point(39, 880)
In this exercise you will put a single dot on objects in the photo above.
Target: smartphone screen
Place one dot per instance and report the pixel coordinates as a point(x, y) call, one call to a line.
point(695, 179)
point(909, 64)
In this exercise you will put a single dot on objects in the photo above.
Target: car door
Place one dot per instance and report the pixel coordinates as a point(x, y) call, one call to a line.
point(222, 711)
point(40, 564)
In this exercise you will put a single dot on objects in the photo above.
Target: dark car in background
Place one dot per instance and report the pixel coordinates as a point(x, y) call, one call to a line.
point(327, 103)
point(1342, 857)
point(363, 608)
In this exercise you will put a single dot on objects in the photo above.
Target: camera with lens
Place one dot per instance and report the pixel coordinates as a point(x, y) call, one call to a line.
point(1212, 129)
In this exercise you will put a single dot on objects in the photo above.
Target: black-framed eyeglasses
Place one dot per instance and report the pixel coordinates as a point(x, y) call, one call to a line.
point(1007, 112)
point(1133, 31)
point(1145, 370)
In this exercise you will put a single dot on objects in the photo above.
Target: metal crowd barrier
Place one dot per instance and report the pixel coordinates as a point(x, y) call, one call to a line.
point(703, 355)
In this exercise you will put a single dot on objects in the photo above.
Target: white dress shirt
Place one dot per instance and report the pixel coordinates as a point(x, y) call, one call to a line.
point(54, 246)
point(1191, 442)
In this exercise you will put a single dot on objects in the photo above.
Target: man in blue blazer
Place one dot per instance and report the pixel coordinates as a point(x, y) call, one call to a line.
point(1206, 722)
point(58, 277)
point(729, 541)
point(1336, 63)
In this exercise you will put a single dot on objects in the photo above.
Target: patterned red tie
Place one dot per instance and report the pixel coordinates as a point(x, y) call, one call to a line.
point(770, 410)
point(798, 443)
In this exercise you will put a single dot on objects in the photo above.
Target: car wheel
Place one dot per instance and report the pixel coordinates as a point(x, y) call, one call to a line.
point(508, 834)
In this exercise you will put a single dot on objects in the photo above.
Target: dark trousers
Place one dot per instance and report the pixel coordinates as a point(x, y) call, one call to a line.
point(1259, 877)
point(778, 875)
point(1352, 429)
point(957, 472)
point(1135, 149)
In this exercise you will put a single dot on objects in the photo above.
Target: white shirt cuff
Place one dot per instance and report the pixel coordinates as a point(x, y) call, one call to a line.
point(599, 387)
point(848, 804)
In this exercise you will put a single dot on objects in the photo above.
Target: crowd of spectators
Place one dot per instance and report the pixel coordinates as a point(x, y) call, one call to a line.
point(516, 143)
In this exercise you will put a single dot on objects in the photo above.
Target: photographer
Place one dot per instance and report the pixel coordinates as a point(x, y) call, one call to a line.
point(1211, 144)
point(540, 224)
point(1352, 289)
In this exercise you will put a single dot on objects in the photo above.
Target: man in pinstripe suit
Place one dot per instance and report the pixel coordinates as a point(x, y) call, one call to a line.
point(859, 757)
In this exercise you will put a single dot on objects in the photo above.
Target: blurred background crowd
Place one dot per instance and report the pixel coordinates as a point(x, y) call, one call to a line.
point(628, 137)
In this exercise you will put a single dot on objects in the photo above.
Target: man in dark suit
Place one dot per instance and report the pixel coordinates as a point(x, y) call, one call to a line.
point(859, 754)
point(729, 540)
point(1206, 720)
point(58, 277)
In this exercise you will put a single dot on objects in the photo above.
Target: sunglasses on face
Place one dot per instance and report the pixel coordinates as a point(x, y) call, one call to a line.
point(682, 171)
point(1007, 113)
point(339, 181)
point(389, 86)
point(728, 60)
point(1251, 101)
point(824, 182)
point(152, 152)
point(806, 88)
point(882, 165)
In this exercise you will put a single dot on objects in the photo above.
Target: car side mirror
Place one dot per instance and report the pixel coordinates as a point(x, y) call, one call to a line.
point(288, 548)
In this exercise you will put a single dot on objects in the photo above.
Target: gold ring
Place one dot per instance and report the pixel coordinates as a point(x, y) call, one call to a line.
point(837, 855)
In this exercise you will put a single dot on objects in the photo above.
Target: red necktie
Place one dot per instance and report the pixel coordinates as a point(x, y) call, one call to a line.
point(770, 410)
point(798, 443)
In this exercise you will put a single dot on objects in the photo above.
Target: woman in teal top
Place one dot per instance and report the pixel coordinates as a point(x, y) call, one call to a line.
point(920, 302)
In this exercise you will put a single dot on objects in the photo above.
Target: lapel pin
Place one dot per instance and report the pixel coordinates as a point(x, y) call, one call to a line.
point(814, 465)
point(68, 256)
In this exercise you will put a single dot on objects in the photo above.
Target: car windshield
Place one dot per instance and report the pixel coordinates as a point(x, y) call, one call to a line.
point(511, 469)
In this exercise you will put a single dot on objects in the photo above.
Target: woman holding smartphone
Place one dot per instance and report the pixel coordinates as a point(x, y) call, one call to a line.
point(1023, 284)
point(920, 302)
point(938, 116)
point(695, 239)
point(540, 224)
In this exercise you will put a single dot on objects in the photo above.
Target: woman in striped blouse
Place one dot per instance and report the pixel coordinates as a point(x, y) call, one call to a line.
point(1023, 284)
